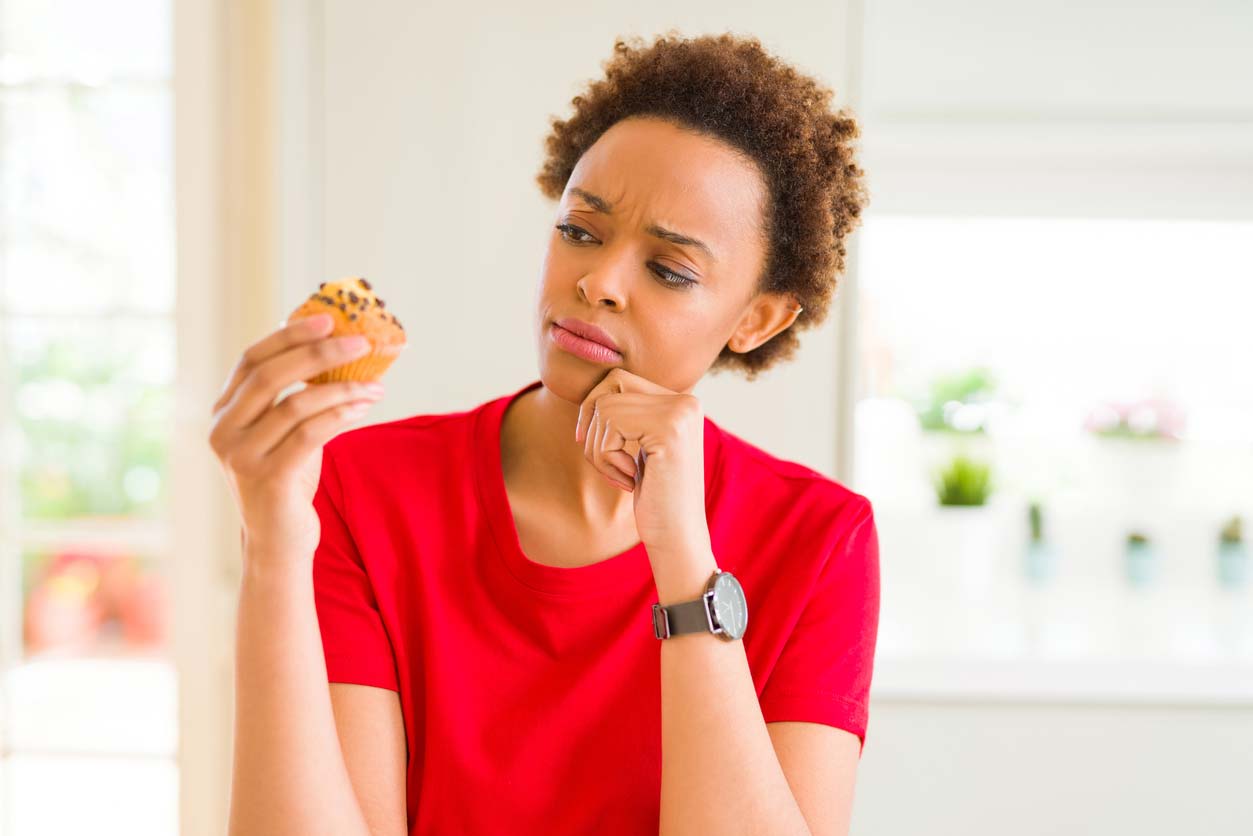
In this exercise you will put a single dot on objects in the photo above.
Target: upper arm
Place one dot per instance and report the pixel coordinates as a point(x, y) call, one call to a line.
point(372, 736)
point(820, 763)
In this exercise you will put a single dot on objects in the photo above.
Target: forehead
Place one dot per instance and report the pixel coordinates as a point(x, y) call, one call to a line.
point(663, 173)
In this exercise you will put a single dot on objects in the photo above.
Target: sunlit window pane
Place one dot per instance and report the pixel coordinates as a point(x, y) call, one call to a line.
point(59, 795)
point(1055, 418)
point(88, 206)
point(92, 400)
point(85, 39)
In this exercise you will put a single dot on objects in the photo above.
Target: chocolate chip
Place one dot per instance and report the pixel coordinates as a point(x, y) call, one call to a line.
point(363, 283)
point(354, 298)
point(321, 285)
point(381, 303)
point(342, 306)
point(352, 316)
point(339, 292)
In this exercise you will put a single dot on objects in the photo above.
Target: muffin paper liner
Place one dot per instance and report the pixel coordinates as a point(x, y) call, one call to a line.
point(366, 368)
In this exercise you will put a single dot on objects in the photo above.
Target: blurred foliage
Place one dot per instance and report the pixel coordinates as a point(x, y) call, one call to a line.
point(955, 402)
point(1036, 516)
point(1231, 532)
point(108, 457)
point(965, 481)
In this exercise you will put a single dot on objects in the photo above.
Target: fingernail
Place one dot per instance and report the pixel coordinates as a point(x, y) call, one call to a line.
point(355, 344)
point(319, 323)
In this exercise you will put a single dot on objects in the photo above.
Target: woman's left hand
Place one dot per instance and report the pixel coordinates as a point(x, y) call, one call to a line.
point(650, 440)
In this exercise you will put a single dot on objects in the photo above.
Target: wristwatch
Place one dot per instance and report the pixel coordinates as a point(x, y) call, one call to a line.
point(721, 610)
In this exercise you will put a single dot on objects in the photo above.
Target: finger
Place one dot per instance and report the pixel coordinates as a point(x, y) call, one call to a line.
point(611, 447)
point(589, 439)
point(262, 385)
point(598, 433)
point(292, 334)
point(622, 461)
point(313, 432)
point(268, 431)
point(587, 409)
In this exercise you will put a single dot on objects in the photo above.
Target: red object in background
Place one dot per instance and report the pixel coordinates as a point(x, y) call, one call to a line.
point(62, 612)
point(143, 611)
point(77, 594)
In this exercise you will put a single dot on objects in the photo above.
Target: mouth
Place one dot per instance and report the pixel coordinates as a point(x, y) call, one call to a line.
point(582, 347)
point(588, 331)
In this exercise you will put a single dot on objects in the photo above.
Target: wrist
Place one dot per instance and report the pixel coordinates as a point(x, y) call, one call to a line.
point(262, 558)
point(682, 576)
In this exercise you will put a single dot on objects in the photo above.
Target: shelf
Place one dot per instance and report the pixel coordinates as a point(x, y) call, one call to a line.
point(1125, 681)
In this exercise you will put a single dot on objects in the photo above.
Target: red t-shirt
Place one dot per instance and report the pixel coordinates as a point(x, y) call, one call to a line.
point(531, 694)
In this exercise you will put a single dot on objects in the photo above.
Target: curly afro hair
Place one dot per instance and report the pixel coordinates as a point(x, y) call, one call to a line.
point(728, 87)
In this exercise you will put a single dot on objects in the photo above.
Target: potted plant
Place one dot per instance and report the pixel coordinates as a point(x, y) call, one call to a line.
point(965, 537)
point(1136, 454)
point(1233, 555)
point(1139, 559)
point(1040, 558)
point(960, 544)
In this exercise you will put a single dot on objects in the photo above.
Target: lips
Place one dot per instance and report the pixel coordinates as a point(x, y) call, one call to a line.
point(588, 331)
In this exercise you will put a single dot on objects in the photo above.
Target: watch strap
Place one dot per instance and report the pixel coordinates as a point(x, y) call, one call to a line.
point(687, 617)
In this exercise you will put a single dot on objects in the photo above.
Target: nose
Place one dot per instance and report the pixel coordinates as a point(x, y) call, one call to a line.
point(606, 283)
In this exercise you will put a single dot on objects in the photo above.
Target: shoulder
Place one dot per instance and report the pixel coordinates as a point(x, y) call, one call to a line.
point(783, 483)
point(426, 435)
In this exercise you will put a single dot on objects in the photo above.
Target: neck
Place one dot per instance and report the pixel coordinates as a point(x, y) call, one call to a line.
point(540, 457)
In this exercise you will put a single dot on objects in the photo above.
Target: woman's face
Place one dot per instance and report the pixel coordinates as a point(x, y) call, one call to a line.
point(621, 262)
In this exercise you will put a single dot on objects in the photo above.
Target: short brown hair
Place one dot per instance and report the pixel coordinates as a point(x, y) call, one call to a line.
point(730, 88)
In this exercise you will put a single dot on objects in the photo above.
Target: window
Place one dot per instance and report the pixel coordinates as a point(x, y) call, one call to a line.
point(87, 346)
point(1022, 342)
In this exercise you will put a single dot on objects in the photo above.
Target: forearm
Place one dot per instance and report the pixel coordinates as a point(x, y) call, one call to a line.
point(289, 774)
point(719, 770)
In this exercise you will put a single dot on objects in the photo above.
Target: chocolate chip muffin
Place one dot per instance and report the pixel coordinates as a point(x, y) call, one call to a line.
point(355, 310)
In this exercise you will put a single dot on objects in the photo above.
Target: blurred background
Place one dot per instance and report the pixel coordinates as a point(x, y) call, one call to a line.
point(1038, 367)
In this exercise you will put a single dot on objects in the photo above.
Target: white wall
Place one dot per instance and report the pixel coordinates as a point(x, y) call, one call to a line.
point(1041, 770)
point(1107, 108)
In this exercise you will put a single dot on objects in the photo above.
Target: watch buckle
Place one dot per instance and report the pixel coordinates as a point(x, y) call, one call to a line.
point(661, 623)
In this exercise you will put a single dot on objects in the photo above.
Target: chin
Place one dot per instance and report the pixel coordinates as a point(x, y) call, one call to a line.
point(570, 378)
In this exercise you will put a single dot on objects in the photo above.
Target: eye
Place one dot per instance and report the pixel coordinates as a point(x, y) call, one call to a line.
point(569, 229)
point(667, 276)
point(674, 278)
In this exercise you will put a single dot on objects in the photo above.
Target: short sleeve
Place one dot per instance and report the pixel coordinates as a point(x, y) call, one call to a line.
point(354, 638)
point(823, 673)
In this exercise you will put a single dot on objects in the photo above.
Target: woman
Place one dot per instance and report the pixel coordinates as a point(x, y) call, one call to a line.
point(488, 585)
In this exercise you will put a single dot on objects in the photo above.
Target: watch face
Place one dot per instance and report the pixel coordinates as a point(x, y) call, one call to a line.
point(729, 605)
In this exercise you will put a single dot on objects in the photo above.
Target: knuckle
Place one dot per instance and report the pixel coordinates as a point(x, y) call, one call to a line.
point(288, 406)
point(304, 433)
point(232, 460)
point(264, 377)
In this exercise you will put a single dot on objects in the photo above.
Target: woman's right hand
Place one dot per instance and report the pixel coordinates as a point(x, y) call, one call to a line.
point(272, 453)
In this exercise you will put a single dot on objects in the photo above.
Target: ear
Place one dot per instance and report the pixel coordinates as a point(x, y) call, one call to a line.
point(767, 315)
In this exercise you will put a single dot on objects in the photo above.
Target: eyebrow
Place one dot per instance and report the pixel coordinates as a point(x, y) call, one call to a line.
point(601, 205)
